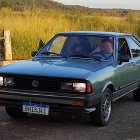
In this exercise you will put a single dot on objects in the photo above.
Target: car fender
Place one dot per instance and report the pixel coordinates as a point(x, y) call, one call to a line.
point(109, 83)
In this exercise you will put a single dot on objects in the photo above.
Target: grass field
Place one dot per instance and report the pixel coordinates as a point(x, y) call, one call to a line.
point(29, 26)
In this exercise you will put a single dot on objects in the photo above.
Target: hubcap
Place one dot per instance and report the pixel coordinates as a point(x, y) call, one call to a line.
point(107, 106)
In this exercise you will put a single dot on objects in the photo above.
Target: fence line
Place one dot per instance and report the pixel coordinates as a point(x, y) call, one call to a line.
point(5, 47)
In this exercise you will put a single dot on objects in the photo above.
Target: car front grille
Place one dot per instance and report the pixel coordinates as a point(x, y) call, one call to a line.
point(40, 84)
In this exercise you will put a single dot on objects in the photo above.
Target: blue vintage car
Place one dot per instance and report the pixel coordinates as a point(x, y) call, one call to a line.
point(74, 72)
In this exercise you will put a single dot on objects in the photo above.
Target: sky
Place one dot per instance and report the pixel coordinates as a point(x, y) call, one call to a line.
point(123, 4)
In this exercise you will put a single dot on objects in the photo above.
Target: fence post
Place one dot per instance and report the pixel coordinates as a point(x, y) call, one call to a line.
point(7, 46)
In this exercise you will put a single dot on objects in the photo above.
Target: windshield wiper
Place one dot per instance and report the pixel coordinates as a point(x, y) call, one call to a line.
point(97, 59)
point(83, 56)
point(78, 56)
point(54, 54)
point(48, 53)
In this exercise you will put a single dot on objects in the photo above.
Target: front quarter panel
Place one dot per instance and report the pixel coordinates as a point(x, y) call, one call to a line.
point(103, 78)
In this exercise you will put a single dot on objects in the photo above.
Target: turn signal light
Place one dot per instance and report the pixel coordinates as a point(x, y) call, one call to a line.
point(89, 88)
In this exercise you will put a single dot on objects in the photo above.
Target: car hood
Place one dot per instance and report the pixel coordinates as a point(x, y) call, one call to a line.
point(65, 68)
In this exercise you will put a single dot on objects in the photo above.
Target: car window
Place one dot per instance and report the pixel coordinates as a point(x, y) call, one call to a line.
point(134, 47)
point(124, 48)
point(57, 44)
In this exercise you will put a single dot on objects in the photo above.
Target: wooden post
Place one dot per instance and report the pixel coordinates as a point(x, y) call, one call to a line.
point(7, 46)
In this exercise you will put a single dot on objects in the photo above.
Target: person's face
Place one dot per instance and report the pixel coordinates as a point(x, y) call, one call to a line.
point(107, 47)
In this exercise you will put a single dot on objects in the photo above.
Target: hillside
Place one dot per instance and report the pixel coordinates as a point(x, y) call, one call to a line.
point(24, 4)
point(20, 5)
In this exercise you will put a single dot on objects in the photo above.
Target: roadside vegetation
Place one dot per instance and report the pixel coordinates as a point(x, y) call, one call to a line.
point(28, 25)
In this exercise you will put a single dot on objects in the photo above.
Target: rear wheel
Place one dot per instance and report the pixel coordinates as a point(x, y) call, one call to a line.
point(14, 112)
point(136, 95)
point(102, 114)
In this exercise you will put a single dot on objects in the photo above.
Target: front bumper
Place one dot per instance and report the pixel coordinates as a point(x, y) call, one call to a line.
point(57, 101)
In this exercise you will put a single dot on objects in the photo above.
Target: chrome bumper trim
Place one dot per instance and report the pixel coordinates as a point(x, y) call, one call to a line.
point(38, 94)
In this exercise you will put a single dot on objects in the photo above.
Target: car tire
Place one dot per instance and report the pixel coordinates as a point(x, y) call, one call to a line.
point(136, 95)
point(15, 112)
point(102, 115)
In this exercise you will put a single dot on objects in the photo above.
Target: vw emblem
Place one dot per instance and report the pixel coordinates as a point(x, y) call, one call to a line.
point(35, 83)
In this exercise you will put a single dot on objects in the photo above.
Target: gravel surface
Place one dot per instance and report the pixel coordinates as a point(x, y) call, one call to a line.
point(124, 125)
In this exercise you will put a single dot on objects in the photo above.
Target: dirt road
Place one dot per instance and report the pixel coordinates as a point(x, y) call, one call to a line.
point(125, 125)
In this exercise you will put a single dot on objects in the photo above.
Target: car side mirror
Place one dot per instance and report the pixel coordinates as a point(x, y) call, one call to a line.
point(41, 44)
point(33, 53)
point(123, 58)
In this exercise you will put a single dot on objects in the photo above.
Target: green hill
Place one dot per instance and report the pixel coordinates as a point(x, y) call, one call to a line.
point(24, 4)
point(21, 5)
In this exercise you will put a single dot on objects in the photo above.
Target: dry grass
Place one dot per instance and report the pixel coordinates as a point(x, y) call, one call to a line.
point(28, 27)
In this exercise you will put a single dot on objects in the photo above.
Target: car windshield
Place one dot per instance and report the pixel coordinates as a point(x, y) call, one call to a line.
point(80, 46)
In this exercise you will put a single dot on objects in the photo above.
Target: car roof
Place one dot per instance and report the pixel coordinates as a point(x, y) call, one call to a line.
point(94, 33)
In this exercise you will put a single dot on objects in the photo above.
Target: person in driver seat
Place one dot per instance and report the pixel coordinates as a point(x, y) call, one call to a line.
point(105, 51)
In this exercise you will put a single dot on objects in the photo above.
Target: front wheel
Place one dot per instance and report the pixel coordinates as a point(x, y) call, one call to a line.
point(102, 114)
point(14, 112)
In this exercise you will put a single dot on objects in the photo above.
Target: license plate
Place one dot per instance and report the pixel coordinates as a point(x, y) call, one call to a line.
point(35, 108)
